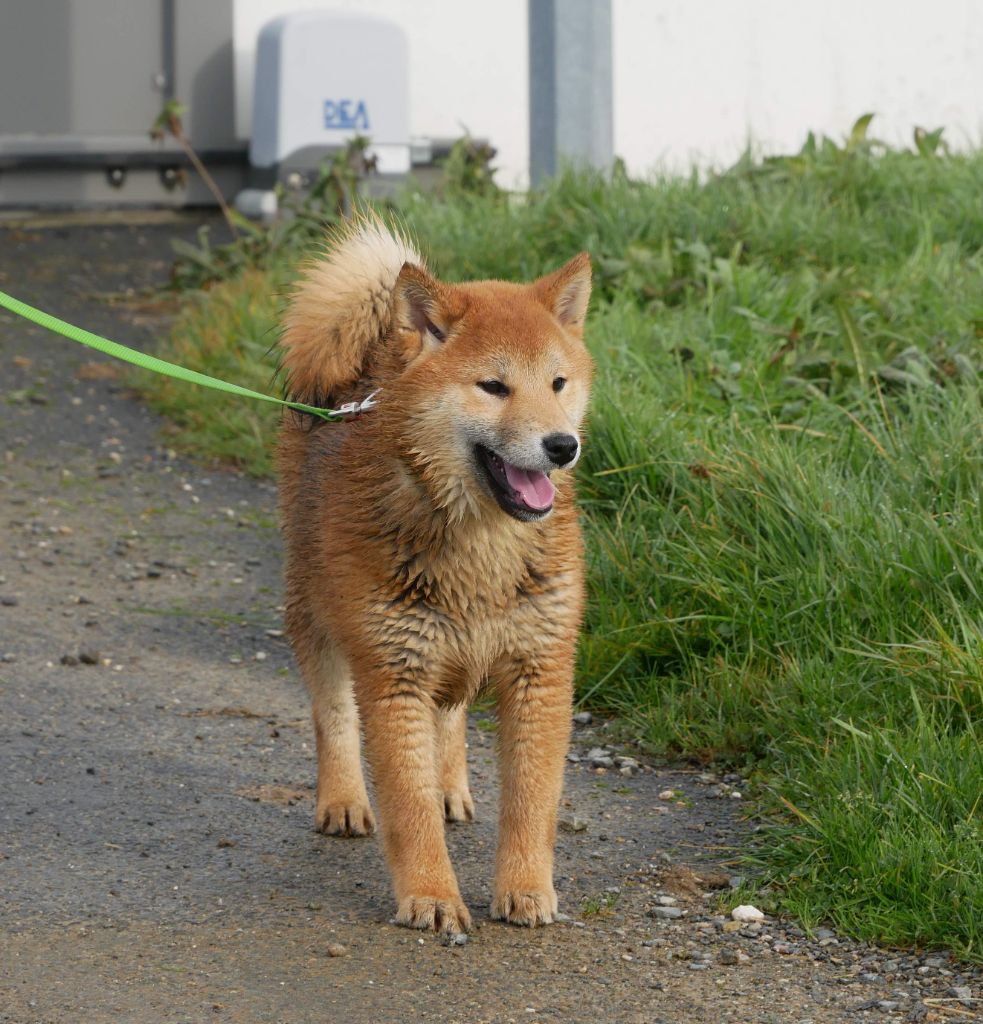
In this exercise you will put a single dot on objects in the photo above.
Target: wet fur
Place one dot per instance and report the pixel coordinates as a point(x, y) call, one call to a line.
point(408, 588)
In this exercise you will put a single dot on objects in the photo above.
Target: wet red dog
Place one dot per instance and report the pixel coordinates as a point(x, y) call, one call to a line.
point(433, 550)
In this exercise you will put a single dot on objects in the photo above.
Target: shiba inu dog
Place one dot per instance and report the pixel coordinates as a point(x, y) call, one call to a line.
point(433, 550)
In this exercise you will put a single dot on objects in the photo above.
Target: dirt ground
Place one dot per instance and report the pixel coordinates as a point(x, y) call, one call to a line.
point(157, 857)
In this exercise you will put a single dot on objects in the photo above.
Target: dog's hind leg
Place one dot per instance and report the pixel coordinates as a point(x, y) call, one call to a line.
point(452, 762)
point(342, 801)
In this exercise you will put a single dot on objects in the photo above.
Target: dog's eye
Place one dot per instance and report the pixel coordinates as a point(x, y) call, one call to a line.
point(494, 387)
point(438, 334)
point(559, 383)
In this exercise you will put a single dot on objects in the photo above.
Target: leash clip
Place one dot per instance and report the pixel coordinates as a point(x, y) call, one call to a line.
point(352, 410)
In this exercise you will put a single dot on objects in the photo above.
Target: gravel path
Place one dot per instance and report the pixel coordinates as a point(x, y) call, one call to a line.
point(157, 857)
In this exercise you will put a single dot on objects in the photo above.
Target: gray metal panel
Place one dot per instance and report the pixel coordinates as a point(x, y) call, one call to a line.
point(570, 85)
point(74, 67)
point(204, 76)
point(52, 187)
point(82, 80)
point(117, 53)
point(35, 37)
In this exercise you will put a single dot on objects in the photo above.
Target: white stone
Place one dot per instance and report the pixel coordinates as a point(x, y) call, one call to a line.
point(745, 912)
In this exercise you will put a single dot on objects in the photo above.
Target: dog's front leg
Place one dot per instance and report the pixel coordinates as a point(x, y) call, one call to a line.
point(400, 741)
point(535, 702)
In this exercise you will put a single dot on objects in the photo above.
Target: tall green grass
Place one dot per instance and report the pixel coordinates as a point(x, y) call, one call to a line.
point(782, 492)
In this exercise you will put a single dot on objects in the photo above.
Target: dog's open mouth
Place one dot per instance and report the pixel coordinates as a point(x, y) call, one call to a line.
point(523, 493)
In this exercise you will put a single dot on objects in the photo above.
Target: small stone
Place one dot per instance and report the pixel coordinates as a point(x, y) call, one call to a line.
point(573, 824)
point(667, 794)
point(825, 933)
point(9, 601)
point(596, 752)
point(745, 912)
point(583, 718)
point(226, 844)
point(68, 659)
point(336, 949)
point(666, 913)
point(698, 965)
point(729, 956)
point(962, 992)
point(235, 660)
point(666, 901)
point(455, 939)
point(601, 762)
point(260, 656)
point(731, 926)
point(274, 633)
point(573, 758)
point(88, 656)
point(887, 1005)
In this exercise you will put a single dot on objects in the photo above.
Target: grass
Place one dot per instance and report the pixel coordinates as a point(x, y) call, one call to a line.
point(782, 492)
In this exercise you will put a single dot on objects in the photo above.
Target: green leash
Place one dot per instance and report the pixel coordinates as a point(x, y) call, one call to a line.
point(152, 363)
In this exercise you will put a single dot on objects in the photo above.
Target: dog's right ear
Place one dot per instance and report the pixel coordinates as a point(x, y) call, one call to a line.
point(420, 314)
point(566, 292)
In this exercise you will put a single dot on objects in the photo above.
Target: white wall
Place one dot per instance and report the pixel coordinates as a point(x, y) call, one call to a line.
point(693, 78)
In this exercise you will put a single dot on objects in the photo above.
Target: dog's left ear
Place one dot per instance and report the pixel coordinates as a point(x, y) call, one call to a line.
point(566, 292)
point(420, 310)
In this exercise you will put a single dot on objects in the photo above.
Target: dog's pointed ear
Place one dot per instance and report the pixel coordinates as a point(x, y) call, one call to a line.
point(419, 309)
point(566, 292)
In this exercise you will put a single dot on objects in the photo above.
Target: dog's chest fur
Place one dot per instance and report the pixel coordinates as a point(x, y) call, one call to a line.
point(455, 614)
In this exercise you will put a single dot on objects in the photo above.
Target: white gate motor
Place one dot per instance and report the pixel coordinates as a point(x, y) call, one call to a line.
point(323, 78)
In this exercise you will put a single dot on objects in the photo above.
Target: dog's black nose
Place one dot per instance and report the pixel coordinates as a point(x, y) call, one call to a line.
point(561, 448)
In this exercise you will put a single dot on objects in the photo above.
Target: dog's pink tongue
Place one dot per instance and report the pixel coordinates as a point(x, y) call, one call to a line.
point(533, 487)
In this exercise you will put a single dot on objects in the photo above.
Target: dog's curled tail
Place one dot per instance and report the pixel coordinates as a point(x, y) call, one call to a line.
point(340, 307)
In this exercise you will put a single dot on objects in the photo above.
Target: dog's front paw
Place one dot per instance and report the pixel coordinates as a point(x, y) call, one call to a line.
point(434, 914)
point(526, 907)
point(458, 805)
point(350, 818)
